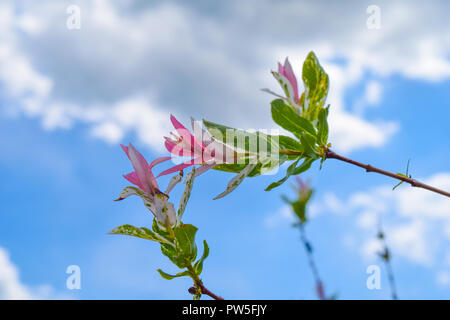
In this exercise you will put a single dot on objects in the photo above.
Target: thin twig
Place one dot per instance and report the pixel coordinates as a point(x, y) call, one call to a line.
point(332, 155)
point(391, 280)
point(386, 256)
point(312, 264)
point(199, 284)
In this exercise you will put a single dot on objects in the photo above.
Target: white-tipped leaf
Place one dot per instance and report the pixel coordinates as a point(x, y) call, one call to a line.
point(189, 182)
point(287, 87)
point(273, 93)
point(173, 182)
point(129, 191)
point(143, 233)
point(162, 209)
point(237, 179)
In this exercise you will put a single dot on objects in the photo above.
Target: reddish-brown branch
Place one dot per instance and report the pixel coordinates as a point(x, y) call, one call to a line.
point(209, 293)
point(332, 155)
point(204, 290)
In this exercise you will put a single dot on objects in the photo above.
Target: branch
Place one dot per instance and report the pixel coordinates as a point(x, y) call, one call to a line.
point(204, 290)
point(312, 264)
point(414, 183)
point(199, 284)
point(386, 257)
point(209, 293)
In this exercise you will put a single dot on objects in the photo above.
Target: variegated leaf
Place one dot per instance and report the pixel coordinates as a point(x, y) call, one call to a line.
point(129, 191)
point(173, 182)
point(170, 277)
point(287, 88)
point(162, 209)
point(237, 179)
point(189, 182)
point(143, 233)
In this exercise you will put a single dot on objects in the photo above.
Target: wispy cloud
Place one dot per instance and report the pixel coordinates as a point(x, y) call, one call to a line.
point(12, 288)
point(416, 221)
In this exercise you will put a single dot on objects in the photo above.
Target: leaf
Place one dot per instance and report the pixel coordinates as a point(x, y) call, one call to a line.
point(198, 266)
point(309, 144)
point(288, 119)
point(129, 191)
point(157, 228)
point(173, 182)
point(287, 143)
point(286, 199)
point(403, 175)
point(236, 180)
point(316, 82)
point(299, 207)
point(171, 253)
point(293, 170)
point(304, 166)
point(289, 172)
point(189, 182)
point(170, 277)
point(185, 242)
point(143, 233)
point(161, 208)
point(268, 164)
point(322, 134)
point(220, 133)
point(286, 86)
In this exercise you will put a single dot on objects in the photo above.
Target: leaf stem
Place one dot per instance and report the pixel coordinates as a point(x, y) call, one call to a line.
point(199, 284)
point(388, 264)
point(414, 183)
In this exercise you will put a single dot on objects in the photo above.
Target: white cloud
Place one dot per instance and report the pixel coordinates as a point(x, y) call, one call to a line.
point(175, 57)
point(416, 221)
point(10, 285)
point(11, 288)
point(281, 217)
point(373, 92)
point(443, 278)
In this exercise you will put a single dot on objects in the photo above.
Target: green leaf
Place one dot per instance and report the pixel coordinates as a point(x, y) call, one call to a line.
point(316, 83)
point(403, 175)
point(198, 266)
point(259, 169)
point(286, 199)
point(299, 206)
point(304, 166)
point(289, 172)
point(237, 180)
point(288, 119)
point(287, 143)
point(293, 170)
point(322, 133)
point(170, 277)
point(299, 209)
point(309, 144)
point(220, 132)
point(273, 142)
point(185, 242)
point(143, 233)
point(171, 253)
point(157, 228)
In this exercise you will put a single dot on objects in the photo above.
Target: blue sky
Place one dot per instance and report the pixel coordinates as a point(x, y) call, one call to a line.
point(70, 97)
